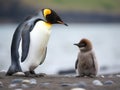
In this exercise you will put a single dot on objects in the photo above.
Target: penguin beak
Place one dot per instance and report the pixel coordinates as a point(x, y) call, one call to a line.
point(80, 45)
point(61, 22)
point(76, 44)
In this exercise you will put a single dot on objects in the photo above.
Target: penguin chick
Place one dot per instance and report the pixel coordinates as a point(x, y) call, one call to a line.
point(29, 42)
point(86, 64)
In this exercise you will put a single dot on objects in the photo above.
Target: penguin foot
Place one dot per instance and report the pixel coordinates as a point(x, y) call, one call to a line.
point(30, 74)
point(33, 74)
point(42, 75)
point(81, 75)
point(92, 76)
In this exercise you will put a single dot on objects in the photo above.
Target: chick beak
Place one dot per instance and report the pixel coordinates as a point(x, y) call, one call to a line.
point(61, 22)
point(76, 44)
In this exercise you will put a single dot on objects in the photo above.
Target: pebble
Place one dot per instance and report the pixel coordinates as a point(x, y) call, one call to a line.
point(16, 81)
point(18, 89)
point(19, 74)
point(1, 84)
point(33, 81)
point(3, 71)
point(66, 84)
point(110, 76)
point(2, 74)
point(82, 84)
point(109, 82)
point(102, 76)
point(79, 84)
point(24, 86)
point(118, 75)
point(44, 84)
point(26, 81)
point(78, 89)
point(22, 83)
point(13, 85)
point(98, 83)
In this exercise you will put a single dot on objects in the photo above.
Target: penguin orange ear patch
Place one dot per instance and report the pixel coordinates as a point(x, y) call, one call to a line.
point(47, 12)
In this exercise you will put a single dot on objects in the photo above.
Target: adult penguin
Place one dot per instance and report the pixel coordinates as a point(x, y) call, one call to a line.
point(29, 43)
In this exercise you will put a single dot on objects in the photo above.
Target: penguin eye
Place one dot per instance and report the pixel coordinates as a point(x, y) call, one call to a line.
point(83, 45)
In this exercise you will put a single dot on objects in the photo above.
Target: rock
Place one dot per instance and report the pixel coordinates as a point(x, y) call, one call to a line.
point(33, 81)
point(66, 84)
point(102, 76)
point(98, 83)
point(2, 74)
point(110, 76)
point(109, 82)
point(117, 75)
point(78, 89)
point(24, 86)
point(13, 85)
point(82, 84)
point(3, 71)
point(26, 81)
point(79, 84)
point(18, 89)
point(44, 84)
point(1, 84)
point(16, 81)
point(19, 74)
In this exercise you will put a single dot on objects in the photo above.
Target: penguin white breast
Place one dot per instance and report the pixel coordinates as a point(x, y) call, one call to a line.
point(39, 37)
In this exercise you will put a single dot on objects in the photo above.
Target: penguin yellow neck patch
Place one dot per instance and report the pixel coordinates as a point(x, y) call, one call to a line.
point(46, 12)
point(48, 25)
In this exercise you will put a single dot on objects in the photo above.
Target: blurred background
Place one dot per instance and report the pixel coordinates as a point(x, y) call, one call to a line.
point(96, 20)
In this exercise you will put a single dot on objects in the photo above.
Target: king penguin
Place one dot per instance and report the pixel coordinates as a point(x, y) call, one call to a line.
point(29, 42)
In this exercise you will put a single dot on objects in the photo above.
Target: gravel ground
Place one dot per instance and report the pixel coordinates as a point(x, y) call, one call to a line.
point(60, 82)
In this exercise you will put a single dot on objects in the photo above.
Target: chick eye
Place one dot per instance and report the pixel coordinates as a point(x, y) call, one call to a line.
point(83, 44)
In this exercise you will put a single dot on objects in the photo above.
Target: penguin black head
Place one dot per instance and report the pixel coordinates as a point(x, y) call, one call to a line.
point(84, 45)
point(52, 17)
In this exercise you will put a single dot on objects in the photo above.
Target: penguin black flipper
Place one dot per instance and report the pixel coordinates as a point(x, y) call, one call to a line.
point(25, 43)
point(26, 37)
point(76, 64)
point(15, 65)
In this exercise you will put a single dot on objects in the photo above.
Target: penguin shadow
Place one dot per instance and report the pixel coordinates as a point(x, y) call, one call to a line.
point(21, 74)
point(86, 76)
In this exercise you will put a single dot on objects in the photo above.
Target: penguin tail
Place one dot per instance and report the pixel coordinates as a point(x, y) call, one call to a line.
point(14, 68)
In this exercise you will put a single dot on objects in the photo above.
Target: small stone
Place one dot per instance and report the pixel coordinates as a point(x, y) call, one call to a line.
point(118, 75)
point(78, 89)
point(82, 84)
point(18, 89)
point(17, 81)
point(1, 84)
point(110, 76)
point(33, 81)
point(66, 84)
point(24, 86)
point(13, 85)
point(97, 82)
point(19, 74)
point(2, 74)
point(26, 81)
point(44, 84)
point(109, 82)
point(102, 76)
point(3, 71)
